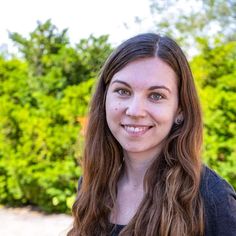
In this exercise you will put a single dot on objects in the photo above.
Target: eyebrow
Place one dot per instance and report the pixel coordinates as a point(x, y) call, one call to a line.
point(122, 82)
point(151, 88)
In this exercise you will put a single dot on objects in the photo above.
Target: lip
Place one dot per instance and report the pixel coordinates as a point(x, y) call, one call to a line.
point(136, 130)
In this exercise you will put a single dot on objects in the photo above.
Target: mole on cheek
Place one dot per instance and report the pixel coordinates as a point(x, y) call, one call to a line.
point(116, 108)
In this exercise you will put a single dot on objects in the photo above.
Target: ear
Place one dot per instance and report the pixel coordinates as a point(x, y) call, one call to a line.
point(179, 118)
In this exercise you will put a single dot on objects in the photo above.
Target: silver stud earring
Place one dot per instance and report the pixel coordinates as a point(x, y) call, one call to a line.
point(178, 121)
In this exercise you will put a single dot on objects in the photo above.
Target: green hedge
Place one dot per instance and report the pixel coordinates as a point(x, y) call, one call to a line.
point(43, 93)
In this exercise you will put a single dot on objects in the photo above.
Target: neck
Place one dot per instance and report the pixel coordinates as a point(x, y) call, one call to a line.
point(135, 169)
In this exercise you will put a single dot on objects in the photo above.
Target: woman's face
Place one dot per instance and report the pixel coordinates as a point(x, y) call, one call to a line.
point(141, 106)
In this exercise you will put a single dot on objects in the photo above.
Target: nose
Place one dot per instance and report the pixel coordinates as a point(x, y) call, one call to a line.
point(136, 108)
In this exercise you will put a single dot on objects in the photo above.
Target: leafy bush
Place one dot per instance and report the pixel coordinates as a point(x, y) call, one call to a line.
point(41, 97)
point(44, 98)
point(215, 71)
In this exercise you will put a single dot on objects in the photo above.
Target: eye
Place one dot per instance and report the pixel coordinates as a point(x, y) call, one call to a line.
point(122, 92)
point(156, 96)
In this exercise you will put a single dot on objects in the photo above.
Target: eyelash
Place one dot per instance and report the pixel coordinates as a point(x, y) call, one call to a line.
point(160, 96)
point(122, 92)
point(125, 92)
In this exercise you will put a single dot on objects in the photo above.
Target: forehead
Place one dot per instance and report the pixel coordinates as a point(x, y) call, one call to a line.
point(147, 72)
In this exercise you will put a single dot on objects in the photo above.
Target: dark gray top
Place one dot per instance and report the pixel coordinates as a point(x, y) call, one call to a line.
point(220, 206)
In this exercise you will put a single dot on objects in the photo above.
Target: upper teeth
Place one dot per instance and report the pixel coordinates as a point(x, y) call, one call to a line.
point(135, 129)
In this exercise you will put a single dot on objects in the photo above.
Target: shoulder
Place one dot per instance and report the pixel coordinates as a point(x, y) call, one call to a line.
point(214, 187)
point(219, 200)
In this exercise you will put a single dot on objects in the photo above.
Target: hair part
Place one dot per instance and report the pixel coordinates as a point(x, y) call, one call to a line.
point(172, 204)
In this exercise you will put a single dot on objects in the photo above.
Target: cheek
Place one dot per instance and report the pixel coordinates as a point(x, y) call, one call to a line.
point(117, 107)
point(112, 105)
point(113, 109)
point(164, 114)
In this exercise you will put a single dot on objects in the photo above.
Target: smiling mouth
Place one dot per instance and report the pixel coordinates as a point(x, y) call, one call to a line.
point(136, 129)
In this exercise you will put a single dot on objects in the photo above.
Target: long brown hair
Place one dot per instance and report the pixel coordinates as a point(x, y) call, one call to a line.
point(172, 203)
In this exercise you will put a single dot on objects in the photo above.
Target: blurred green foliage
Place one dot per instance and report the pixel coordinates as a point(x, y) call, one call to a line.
point(215, 73)
point(42, 94)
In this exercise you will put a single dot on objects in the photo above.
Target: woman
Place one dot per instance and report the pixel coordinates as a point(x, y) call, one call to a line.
point(143, 173)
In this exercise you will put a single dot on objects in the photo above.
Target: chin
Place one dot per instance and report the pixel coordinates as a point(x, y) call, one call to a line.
point(133, 149)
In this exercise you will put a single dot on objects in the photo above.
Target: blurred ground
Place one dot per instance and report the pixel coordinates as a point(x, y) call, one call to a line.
point(29, 222)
